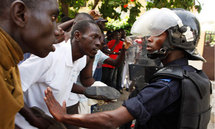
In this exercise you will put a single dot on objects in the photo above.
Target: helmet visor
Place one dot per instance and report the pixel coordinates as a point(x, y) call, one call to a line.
point(154, 22)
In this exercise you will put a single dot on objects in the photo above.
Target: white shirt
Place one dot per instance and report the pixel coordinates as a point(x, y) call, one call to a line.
point(100, 57)
point(56, 71)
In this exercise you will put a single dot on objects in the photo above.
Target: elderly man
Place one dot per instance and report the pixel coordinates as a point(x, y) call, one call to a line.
point(25, 26)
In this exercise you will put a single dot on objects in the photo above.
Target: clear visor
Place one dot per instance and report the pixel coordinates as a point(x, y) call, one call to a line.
point(137, 48)
point(154, 22)
point(137, 53)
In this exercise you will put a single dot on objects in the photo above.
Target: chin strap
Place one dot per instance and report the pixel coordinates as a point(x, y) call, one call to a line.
point(162, 52)
point(157, 54)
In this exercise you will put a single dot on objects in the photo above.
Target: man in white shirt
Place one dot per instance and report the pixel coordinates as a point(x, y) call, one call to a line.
point(100, 57)
point(60, 69)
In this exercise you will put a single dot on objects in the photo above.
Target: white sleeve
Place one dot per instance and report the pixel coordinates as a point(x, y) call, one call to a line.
point(103, 57)
point(33, 70)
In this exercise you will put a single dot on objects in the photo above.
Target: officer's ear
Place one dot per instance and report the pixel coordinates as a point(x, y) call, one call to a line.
point(77, 35)
point(18, 13)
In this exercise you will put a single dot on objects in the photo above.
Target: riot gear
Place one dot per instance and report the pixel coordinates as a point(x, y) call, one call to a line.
point(185, 99)
point(182, 27)
point(189, 20)
point(195, 106)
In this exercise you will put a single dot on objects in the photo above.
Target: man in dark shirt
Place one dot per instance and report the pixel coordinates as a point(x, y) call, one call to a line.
point(158, 104)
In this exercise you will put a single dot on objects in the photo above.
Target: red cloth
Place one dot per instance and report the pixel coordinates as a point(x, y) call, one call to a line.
point(116, 49)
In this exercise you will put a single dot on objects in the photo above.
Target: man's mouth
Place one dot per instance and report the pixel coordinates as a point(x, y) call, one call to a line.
point(148, 48)
point(95, 50)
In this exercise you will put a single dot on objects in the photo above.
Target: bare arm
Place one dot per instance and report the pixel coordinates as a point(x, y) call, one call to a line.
point(63, 32)
point(106, 120)
point(118, 60)
point(78, 89)
point(32, 119)
point(66, 26)
point(121, 56)
point(86, 76)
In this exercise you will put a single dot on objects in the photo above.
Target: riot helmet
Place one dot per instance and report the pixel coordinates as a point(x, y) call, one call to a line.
point(182, 28)
point(188, 19)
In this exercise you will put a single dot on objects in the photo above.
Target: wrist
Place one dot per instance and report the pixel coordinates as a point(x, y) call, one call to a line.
point(64, 118)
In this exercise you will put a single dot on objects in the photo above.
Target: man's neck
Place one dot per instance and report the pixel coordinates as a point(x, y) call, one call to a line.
point(76, 53)
point(173, 55)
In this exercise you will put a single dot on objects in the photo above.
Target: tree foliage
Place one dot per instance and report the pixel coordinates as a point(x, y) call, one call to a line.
point(70, 7)
point(109, 8)
point(185, 4)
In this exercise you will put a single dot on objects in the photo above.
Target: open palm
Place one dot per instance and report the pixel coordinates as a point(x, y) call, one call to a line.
point(54, 107)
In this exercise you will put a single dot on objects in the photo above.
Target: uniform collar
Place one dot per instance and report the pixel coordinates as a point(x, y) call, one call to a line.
point(10, 52)
point(178, 62)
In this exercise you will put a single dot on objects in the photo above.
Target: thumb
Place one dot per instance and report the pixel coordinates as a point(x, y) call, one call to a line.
point(64, 105)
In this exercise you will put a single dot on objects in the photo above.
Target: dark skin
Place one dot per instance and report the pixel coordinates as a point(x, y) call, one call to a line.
point(107, 119)
point(66, 26)
point(86, 74)
point(117, 37)
point(91, 44)
point(121, 54)
point(34, 30)
point(85, 77)
point(36, 121)
point(119, 59)
point(171, 55)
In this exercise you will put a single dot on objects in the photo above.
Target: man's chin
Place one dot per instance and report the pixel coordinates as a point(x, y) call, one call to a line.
point(42, 54)
point(92, 57)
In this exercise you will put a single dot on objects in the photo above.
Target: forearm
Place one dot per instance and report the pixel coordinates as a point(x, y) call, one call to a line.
point(87, 81)
point(93, 121)
point(101, 120)
point(29, 116)
point(66, 25)
point(78, 89)
point(86, 77)
point(118, 60)
point(105, 120)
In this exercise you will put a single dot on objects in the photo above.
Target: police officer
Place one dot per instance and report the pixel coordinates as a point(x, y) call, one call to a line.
point(174, 97)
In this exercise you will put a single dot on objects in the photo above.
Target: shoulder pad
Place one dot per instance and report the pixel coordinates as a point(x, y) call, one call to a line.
point(166, 80)
point(170, 71)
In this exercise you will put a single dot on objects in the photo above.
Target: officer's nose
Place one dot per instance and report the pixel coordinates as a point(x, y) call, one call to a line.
point(149, 39)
